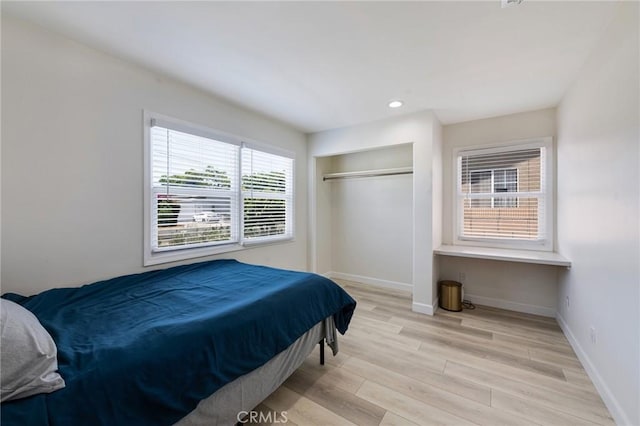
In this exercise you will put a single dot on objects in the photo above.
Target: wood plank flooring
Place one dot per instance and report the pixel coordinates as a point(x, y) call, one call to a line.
point(477, 367)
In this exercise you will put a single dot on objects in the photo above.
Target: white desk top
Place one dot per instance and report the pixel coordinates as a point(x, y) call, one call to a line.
point(508, 255)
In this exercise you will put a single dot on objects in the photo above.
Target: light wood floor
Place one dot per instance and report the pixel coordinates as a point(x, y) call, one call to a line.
point(485, 366)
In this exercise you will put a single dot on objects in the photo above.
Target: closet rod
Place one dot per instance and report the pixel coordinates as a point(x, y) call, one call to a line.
point(369, 173)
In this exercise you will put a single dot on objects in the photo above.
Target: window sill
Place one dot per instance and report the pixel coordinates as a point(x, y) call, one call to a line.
point(158, 258)
point(507, 255)
point(194, 253)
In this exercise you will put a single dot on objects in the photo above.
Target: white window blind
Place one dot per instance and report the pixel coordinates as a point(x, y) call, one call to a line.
point(194, 189)
point(267, 195)
point(502, 194)
point(208, 192)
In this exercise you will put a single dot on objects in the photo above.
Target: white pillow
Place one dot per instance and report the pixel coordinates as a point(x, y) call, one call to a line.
point(28, 353)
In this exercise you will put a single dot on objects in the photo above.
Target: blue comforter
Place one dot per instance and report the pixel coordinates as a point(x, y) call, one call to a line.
point(145, 349)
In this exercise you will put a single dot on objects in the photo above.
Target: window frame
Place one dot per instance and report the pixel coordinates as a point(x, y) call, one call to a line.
point(154, 257)
point(546, 243)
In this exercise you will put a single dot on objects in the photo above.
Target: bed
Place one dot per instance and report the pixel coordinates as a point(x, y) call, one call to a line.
point(193, 344)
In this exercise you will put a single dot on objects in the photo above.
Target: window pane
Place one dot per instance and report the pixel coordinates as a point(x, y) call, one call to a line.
point(505, 181)
point(481, 181)
point(520, 223)
point(267, 188)
point(195, 190)
point(180, 159)
point(186, 220)
point(485, 179)
point(264, 217)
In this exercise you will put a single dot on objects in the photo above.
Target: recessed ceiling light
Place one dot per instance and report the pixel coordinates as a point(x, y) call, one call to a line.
point(395, 104)
point(509, 3)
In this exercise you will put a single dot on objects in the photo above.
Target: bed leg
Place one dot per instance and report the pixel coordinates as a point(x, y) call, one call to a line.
point(321, 343)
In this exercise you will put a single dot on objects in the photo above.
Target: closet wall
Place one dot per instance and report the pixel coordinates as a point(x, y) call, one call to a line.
point(371, 218)
point(421, 131)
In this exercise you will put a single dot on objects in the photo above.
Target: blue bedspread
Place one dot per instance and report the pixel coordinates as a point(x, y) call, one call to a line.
point(145, 349)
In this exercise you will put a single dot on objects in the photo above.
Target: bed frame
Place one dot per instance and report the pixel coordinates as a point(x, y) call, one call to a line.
point(225, 407)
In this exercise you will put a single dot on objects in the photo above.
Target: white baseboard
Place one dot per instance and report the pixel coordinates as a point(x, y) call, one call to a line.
point(369, 280)
point(609, 399)
point(512, 306)
point(423, 308)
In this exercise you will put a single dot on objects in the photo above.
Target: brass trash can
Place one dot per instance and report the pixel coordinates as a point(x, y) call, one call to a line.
point(450, 295)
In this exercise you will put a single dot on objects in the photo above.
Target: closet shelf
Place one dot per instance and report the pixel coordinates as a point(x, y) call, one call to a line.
point(369, 173)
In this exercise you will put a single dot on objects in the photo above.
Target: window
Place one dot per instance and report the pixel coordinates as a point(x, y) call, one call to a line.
point(494, 181)
point(504, 197)
point(208, 192)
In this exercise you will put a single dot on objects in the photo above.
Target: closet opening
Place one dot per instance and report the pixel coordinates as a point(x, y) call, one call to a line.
point(364, 216)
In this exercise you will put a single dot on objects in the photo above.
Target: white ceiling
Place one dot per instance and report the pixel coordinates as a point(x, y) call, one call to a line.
point(322, 65)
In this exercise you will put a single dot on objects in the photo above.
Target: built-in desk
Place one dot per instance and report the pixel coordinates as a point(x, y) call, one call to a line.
point(507, 255)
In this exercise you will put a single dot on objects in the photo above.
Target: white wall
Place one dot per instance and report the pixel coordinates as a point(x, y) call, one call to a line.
point(321, 255)
point(436, 200)
point(520, 287)
point(72, 166)
point(411, 128)
point(372, 227)
point(598, 213)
